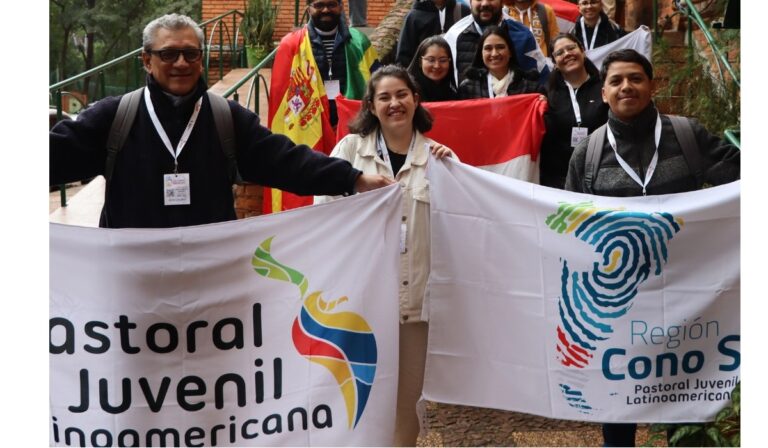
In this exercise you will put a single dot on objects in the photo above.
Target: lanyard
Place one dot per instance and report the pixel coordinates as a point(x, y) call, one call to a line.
point(654, 161)
point(574, 103)
point(594, 33)
point(522, 13)
point(164, 136)
point(383, 152)
point(441, 14)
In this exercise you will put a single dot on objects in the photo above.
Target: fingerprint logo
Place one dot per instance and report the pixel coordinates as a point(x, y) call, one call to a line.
point(341, 341)
point(630, 246)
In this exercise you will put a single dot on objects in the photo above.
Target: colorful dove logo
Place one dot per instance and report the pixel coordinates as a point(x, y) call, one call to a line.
point(341, 341)
point(631, 247)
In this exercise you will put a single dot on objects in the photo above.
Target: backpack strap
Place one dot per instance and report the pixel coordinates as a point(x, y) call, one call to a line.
point(126, 113)
point(592, 159)
point(222, 117)
point(541, 10)
point(684, 135)
point(121, 126)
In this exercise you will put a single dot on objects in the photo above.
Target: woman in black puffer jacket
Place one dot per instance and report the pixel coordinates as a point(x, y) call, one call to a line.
point(494, 71)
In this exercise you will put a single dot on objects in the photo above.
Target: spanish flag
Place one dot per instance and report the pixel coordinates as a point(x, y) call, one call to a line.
point(298, 108)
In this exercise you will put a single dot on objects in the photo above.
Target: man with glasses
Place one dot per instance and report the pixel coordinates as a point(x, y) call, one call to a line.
point(593, 27)
point(427, 18)
point(344, 55)
point(171, 169)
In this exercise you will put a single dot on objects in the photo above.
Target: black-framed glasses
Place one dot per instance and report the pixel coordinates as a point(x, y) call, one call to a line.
point(324, 5)
point(588, 2)
point(172, 54)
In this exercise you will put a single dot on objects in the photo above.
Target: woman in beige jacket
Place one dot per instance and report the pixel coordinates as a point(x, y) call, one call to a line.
point(387, 138)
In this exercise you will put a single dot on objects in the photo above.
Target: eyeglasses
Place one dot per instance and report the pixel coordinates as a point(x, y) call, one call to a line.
point(589, 2)
point(431, 60)
point(566, 49)
point(172, 54)
point(324, 5)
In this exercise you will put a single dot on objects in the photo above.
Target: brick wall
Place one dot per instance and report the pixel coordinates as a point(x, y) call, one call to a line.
point(377, 9)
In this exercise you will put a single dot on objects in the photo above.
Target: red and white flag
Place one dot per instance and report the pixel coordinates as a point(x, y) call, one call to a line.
point(566, 13)
point(502, 135)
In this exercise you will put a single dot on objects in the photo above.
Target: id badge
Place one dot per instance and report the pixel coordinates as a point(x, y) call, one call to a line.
point(332, 88)
point(578, 134)
point(176, 189)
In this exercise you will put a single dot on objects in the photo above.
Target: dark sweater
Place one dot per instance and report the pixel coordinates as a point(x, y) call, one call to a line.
point(607, 32)
point(134, 196)
point(421, 22)
point(635, 144)
point(556, 147)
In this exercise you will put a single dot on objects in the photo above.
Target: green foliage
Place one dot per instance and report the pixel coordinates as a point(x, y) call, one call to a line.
point(258, 23)
point(724, 431)
point(111, 28)
point(707, 92)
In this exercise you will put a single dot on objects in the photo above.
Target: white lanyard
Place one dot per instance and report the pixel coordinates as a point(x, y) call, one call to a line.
point(381, 149)
point(574, 103)
point(164, 136)
point(594, 33)
point(654, 161)
point(441, 13)
point(522, 17)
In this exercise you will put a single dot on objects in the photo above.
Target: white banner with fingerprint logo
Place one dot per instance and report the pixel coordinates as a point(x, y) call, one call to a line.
point(582, 307)
point(277, 330)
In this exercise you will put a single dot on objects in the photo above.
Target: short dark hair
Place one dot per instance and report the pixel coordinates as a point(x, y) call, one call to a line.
point(626, 55)
point(365, 122)
point(502, 33)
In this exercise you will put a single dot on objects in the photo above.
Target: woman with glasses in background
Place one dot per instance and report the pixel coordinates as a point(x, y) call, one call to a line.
point(494, 71)
point(593, 28)
point(432, 69)
point(576, 107)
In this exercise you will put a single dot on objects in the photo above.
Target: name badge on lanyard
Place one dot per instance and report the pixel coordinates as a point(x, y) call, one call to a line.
point(332, 88)
point(176, 189)
point(578, 133)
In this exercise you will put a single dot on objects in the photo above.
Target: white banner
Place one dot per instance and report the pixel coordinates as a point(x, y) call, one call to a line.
point(582, 307)
point(278, 330)
point(639, 40)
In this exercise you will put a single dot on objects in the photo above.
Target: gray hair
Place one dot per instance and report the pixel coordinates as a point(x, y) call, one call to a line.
point(170, 22)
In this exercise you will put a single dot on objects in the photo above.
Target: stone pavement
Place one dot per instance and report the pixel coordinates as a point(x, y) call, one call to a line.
point(454, 425)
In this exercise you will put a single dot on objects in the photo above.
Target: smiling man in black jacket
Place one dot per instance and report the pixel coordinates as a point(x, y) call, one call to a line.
point(172, 170)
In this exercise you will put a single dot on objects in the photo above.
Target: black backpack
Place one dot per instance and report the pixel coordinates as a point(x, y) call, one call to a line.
point(683, 134)
point(126, 113)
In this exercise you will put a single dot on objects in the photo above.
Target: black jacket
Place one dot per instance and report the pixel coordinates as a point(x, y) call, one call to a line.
point(607, 32)
point(135, 194)
point(635, 144)
point(476, 84)
point(556, 147)
point(424, 21)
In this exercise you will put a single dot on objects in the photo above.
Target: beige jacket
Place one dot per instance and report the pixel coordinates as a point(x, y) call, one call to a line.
point(414, 262)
